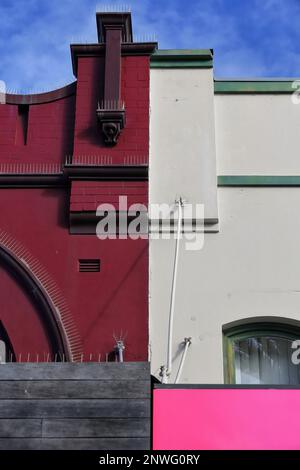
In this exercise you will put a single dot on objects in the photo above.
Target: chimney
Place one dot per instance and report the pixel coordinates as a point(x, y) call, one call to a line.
point(113, 30)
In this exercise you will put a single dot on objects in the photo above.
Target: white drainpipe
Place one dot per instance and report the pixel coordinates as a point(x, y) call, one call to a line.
point(187, 343)
point(167, 370)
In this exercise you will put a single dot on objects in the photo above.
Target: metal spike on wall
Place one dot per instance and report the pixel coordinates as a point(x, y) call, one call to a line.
point(37, 90)
point(31, 168)
point(145, 38)
point(82, 40)
point(113, 8)
point(47, 357)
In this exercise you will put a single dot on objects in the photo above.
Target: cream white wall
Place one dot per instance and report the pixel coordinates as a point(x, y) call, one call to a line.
point(249, 269)
point(182, 138)
point(257, 134)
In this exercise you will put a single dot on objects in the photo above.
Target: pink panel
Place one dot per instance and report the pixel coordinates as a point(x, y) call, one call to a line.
point(226, 419)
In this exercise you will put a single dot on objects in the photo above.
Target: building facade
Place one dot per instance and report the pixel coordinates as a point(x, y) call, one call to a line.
point(149, 214)
point(57, 166)
point(231, 145)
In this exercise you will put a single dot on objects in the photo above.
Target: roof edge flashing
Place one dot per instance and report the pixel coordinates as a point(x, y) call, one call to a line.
point(182, 58)
point(256, 86)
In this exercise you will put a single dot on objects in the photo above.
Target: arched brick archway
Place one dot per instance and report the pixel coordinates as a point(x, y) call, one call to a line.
point(50, 308)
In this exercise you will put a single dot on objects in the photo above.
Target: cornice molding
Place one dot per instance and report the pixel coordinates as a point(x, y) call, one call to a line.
point(74, 172)
point(114, 172)
point(181, 58)
point(246, 87)
point(36, 181)
point(98, 50)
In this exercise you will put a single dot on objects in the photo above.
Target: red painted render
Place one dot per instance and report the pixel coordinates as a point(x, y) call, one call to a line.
point(49, 135)
point(21, 320)
point(87, 195)
point(104, 303)
point(101, 304)
point(134, 139)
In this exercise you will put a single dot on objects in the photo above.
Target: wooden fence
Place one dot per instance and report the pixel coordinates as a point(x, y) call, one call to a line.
point(99, 406)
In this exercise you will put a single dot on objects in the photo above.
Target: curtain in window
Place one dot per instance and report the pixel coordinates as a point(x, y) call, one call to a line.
point(265, 360)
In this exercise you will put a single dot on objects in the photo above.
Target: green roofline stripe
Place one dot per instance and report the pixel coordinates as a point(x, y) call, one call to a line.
point(265, 86)
point(182, 58)
point(258, 180)
point(195, 54)
point(185, 64)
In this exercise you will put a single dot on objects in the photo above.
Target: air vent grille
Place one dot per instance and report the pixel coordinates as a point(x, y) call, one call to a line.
point(89, 265)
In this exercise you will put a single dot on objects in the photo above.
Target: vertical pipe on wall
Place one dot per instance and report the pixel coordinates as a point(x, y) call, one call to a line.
point(119, 350)
point(167, 372)
point(187, 343)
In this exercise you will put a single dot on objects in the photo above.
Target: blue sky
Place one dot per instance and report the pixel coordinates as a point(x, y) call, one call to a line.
point(250, 38)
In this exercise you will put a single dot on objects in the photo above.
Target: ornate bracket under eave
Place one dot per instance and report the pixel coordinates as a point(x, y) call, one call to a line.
point(111, 121)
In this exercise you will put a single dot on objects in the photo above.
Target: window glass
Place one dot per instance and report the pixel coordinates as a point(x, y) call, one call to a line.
point(261, 354)
point(264, 360)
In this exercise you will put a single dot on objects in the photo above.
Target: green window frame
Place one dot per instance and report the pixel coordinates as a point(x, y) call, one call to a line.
point(246, 330)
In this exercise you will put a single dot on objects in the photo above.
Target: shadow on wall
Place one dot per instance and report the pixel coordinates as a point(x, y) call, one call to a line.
point(118, 288)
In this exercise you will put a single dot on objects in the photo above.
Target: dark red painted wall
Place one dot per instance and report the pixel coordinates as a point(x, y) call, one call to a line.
point(51, 125)
point(21, 320)
point(87, 195)
point(134, 140)
point(102, 304)
point(49, 135)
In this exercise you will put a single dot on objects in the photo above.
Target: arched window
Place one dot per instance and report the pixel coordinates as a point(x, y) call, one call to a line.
point(261, 353)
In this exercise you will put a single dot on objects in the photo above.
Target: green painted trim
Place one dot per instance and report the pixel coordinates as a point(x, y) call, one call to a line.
point(255, 87)
point(258, 180)
point(182, 64)
point(228, 361)
point(182, 54)
point(181, 58)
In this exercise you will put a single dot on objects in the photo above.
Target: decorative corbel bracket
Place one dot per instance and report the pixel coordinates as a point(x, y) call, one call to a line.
point(111, 121)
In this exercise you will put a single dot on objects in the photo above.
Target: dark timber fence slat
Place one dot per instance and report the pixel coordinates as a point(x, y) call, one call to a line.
point(115, 408)
point(78, 428)
point(96, 428)
point(20, 428)
point(101, 406)
point(73, 371)
point(76, 444)
point(43, 389)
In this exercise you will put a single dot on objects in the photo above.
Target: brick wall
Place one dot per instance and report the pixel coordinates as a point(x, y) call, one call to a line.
point(134, 139)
